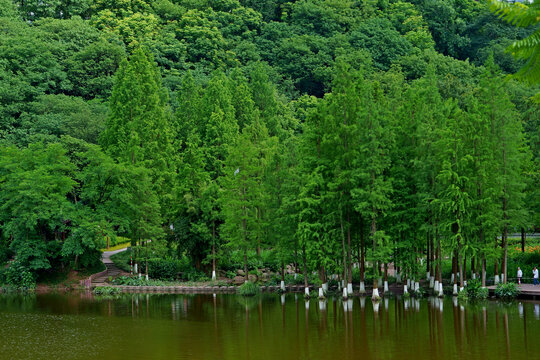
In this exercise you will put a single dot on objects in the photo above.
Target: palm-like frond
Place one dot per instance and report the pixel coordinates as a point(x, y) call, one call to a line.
point(527, 49)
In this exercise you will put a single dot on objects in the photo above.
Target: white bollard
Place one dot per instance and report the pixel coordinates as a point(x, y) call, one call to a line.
point(362, 287)
point(349, 289)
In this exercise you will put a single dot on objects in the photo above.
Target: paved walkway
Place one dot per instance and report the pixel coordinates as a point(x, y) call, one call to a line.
point(112, 270)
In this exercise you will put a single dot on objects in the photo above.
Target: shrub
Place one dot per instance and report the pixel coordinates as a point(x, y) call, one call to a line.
point(19, 276)
point(106, 290)
point(507, 291)
point(162, 269)
point(249, 289)
point(136, 281)
point(475, 291)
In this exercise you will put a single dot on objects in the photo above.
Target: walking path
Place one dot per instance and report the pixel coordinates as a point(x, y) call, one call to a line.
point(112, 270)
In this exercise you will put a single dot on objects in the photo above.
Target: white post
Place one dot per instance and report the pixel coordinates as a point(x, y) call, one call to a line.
point(213, 275)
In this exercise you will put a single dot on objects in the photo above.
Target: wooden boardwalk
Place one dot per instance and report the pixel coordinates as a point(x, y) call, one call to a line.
point(527, 290)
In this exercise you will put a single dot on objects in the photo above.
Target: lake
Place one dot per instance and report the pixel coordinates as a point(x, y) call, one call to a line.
point(173, 326)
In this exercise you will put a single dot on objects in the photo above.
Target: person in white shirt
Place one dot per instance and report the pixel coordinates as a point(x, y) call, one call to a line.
point(535, 276)
point(519, 275)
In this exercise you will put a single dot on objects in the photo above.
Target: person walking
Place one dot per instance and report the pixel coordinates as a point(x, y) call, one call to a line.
point(519, 275)
point(535, 276)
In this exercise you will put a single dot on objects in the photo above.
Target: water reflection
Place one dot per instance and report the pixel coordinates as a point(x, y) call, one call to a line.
point(232, 327)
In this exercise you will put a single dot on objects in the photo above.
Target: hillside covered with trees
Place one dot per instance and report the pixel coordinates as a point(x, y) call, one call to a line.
point(261, 133)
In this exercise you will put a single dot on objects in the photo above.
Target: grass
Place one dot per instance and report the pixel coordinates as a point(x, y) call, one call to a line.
point(117, 247)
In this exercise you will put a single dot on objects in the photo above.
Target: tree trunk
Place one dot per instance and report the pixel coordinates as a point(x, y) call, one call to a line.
point(349, 249)
point(362, 255)
point(245, 265)
point(523, 239)
point(305, 266)
point(214, 250)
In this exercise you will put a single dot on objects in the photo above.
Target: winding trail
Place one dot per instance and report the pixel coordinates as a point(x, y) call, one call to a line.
point(112, 270)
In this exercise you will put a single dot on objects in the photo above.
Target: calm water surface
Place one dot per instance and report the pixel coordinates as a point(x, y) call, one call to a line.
point(80, 326)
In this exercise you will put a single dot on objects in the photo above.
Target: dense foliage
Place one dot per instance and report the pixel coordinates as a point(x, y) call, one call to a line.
point(243, 134)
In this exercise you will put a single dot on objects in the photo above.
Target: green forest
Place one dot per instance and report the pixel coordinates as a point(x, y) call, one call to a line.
point(336, 136)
